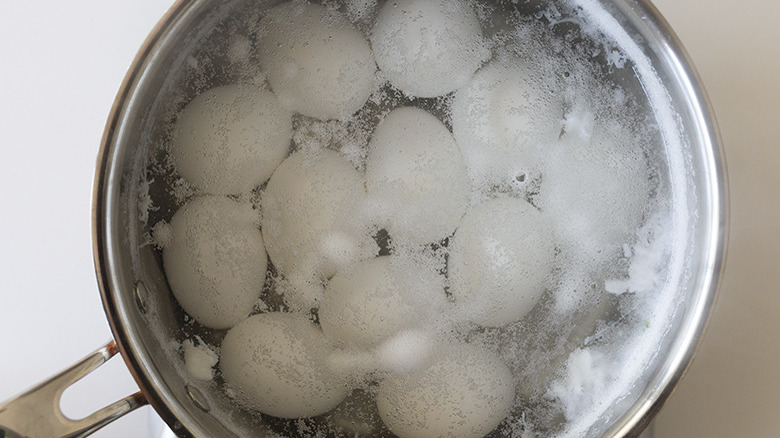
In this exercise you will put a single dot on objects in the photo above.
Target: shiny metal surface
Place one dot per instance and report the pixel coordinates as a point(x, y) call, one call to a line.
point(699, 117)
point(37, 412)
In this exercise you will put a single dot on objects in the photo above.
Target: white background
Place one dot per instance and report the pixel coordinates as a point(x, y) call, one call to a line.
point(63, 62)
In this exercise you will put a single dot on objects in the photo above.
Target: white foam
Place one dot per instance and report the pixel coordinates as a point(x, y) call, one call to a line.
point(162, 234)
point(648, 257)
point(350, 138)
point(587, 375)
point(199, 359)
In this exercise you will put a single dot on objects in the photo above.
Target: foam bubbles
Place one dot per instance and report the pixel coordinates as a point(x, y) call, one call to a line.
point(229, 139)
point(415, 170)
point(500, 259)
point(215, 261)
point(428, 48)
point(315, 60)
point(199, 359)
point(587, 374)
point(465, 393)
point(273, 362)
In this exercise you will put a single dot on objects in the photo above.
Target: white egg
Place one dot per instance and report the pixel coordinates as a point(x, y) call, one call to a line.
point(414, 168)
point(275, 363)
point(504, 119)
point(596, 188)
point(378, 298)
point(500, 259)
point(311, 224)
point(465, 393)
point(315, 60)
point(215, 262)
point(229, 139)
point(428, 48)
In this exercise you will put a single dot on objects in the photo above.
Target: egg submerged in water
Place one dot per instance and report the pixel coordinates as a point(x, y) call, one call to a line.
point(215, 261)
point(414, 169)
point(315, 60)
point(500, 259)
point(378, 298)
point(466, 393)
point(310, 224)
point(428, 48)
point(275, 363)
point(504, 119)
point(601, 208)
point(229, 139)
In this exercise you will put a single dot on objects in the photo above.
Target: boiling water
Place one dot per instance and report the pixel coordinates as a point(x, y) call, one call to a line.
point(445, 220)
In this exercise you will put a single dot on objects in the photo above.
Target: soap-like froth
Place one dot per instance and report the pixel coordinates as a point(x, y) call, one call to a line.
point(215, 262)
point(503, 119)
point(199, 360)
point(378, 298)
point(500, 259)
point(315, 60)
point(596, 189)
point(415, 171)
point(311, 222)
point(466, 393)
point(229, 139)
point(428, 48)
point(275, 364)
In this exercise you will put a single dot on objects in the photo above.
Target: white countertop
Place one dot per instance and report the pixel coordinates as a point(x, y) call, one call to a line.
point(64, 61)
point(62, 65)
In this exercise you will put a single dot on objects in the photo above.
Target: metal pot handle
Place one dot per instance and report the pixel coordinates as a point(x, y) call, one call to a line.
point(37, 414)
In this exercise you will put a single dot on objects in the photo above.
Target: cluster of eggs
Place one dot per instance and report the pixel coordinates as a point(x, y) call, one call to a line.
point(382, 316)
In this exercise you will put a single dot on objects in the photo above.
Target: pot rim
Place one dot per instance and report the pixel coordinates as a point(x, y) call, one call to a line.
point(687, 340)
point(104, 188)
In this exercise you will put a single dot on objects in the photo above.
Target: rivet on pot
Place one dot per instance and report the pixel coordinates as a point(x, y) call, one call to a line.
point(140, 294)
point(197, 397)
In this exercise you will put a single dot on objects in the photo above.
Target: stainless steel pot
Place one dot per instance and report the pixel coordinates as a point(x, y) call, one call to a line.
point(137, 299)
